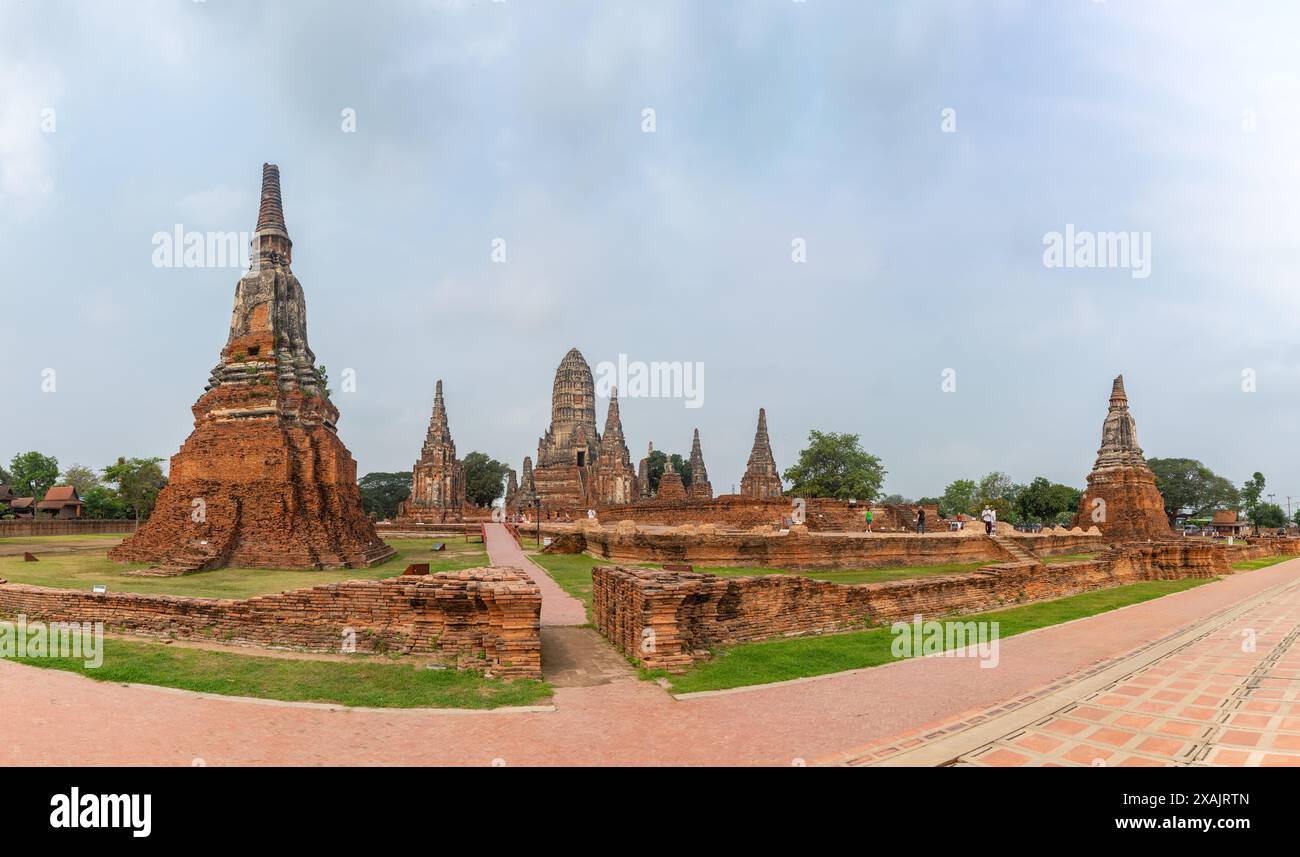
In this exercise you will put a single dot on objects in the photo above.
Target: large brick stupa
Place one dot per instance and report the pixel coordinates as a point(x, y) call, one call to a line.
point(263, 481)
point(1122, 499)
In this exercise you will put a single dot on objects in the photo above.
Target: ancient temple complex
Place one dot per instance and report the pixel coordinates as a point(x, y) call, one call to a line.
point(437, 478)
point(761, 477)
point(263, 481)
point(1122, 499)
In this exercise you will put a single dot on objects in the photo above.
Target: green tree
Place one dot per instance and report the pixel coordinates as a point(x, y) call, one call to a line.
point(81, 477)
point(1270, 516)
point(484, 478)
point(32, 474)
point(835, 465)
point(1190, 489)
point(381, 492)
point(5, 478)
point(1251, 489)
point(1044, 501)
point(658, 462)
point(102, 502)
point(138, 481)
point(959, 497)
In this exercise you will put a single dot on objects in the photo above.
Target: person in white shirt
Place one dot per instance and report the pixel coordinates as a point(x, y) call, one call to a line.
point(990, 517)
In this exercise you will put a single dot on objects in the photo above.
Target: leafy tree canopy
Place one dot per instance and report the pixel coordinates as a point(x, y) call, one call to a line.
point(485, 478)
point(658, 462)
point(81, 477)
point(138, 482)
point(32, 474)
point(959, 498)
point(1043, 501)
point(381, 492)
point(835, 465)
point(1190, 489)
point(1270, 515)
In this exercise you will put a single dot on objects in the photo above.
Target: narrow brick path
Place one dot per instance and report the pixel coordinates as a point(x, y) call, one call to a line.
point(68, 719)
point(558, 606)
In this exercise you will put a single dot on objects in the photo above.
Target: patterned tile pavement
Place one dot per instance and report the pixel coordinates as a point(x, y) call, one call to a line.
point(1230, 697)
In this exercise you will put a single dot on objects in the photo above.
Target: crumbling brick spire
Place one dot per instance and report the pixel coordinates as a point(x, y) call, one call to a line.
point(1122, 499)
point(671, 489)
point(1119, 445)
point(614, 479)
point(438, 478)
point(761, 478)
point(263, 481)
point(700, 489)
point(271, 244)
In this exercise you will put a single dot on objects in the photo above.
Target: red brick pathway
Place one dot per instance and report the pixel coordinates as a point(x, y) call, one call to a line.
point(558, 606)
point(67, 719)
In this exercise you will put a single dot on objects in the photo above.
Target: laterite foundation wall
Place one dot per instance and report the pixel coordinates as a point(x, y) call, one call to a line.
point(668, 619)
point(484, 618)
point(802, 550)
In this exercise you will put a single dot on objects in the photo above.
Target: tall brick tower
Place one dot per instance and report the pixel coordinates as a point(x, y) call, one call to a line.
point(761, 478)
point(614, 478)
point(568, 451)
point(700, 488)
point(438, 477)
point(263, 481)
point(1122, 499)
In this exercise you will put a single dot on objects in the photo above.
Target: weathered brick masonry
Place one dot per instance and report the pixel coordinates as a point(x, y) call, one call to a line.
point(484, 618)
point(799, 549)
point(667, 619)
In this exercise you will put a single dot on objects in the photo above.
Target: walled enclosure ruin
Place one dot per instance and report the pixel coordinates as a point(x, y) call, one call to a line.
point(686, 613)
point(478, 618)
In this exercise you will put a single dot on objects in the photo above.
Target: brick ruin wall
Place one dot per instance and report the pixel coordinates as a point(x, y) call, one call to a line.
point(65, 527)
point(480, 618)
point(736, 512)
point(799, 549)
point(687, 613)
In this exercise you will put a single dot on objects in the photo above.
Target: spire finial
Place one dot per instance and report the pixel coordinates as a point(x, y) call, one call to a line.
point(271, 238)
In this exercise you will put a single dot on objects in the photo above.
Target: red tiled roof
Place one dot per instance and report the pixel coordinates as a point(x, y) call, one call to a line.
point(63, 493)
point(1225, 517)
point(24, 502)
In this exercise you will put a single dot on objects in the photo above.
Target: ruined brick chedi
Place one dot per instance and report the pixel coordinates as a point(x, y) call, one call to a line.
point(438, 477)
point(263, 481)
point(761, 477)
point(1122, 499)
point(573, 471)
point(700, 489)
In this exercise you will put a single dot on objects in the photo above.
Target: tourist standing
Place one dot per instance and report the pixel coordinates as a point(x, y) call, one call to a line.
point(989, 517)
point(920, 521)
point(868, 520)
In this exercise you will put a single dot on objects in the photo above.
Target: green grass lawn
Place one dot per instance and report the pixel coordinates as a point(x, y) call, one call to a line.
point(36, 540)
point(1262, 562)
point(85, 569)
point(1068, 557)
point(356, 683)
point(800, 657)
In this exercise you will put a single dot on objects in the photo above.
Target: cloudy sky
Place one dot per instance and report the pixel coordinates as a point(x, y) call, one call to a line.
point(919, 151)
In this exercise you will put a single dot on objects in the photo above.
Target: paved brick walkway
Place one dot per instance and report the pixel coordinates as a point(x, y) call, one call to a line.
point(68, 719)
point(1229, 697)
point(558, 606)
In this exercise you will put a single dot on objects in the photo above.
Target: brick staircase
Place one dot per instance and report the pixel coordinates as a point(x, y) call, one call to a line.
point(192, 557)
point(1018, 556)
